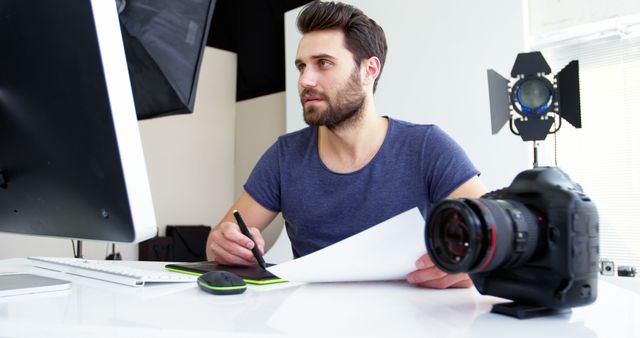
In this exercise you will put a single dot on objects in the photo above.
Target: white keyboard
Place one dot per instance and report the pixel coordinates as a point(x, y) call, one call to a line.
point(111, 271)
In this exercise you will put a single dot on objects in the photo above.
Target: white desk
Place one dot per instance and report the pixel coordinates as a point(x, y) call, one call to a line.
point(95, 308)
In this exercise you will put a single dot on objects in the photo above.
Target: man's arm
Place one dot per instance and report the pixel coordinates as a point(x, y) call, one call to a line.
point(227, 245)
point(473, 188)
point(427, 274)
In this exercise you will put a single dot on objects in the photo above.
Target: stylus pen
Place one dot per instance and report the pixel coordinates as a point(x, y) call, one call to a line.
point(245, 231)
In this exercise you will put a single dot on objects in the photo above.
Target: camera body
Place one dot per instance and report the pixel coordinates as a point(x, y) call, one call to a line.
point(534, 242)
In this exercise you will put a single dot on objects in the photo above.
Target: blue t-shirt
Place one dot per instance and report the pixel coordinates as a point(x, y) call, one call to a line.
point(416, 166)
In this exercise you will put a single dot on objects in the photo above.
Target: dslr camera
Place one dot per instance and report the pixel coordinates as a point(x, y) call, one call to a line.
point(534, 242)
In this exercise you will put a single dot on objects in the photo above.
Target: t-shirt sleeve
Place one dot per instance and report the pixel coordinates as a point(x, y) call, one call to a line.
point(264, 182)
point(447, 166)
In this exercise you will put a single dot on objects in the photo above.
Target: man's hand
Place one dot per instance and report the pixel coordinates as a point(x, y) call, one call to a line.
point(429, 276)
point(227, 245)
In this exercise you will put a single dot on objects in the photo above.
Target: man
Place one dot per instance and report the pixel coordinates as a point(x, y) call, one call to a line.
point(351, 168)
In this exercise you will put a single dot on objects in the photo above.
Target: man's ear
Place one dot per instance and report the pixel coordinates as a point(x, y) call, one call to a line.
point(372, 69)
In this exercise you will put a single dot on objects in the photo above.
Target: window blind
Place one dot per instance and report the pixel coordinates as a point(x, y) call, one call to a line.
point(604, 156)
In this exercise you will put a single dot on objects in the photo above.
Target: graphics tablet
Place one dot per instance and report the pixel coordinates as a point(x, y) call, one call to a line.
point(250, 274)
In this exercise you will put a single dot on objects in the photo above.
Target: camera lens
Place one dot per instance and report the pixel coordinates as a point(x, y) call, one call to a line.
point(455, 226)
point(456, 236)
point(474, 235)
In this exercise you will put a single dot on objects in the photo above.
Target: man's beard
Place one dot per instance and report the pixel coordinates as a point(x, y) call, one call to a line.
point(346, 109)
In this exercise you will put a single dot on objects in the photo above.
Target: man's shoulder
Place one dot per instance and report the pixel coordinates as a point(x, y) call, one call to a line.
point(410, 129)
point(298, 138)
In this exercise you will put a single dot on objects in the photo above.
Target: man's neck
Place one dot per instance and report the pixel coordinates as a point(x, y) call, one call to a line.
point(349, 148)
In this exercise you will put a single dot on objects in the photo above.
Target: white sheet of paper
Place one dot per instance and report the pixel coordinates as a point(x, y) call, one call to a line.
point(386, 251)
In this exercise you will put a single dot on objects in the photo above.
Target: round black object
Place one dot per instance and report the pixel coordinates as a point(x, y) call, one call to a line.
point(475, 235)
point(532, 96)
point(222, 283)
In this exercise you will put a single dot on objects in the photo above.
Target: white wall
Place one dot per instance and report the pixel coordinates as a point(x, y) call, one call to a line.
point(190, 160)
point(435, 72)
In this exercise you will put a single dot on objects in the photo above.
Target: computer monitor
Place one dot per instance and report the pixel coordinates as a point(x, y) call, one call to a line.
point(71, 157)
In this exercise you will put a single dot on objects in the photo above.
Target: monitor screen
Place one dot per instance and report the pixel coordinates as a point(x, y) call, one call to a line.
point(71, 159)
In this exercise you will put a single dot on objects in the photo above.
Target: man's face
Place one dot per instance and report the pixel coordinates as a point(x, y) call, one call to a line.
point(330, 85)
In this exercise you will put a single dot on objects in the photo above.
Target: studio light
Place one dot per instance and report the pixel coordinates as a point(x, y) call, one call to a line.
point(534, 99)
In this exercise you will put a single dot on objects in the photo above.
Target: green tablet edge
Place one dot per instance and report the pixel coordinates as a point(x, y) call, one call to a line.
point(248, 281)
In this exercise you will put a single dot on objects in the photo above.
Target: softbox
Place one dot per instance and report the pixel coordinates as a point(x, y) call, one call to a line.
point(164, 42)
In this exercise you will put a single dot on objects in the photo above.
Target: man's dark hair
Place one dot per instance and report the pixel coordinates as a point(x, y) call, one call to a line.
point(364, 38)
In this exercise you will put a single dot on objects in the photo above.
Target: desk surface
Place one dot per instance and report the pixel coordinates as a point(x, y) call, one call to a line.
point(95, 308)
